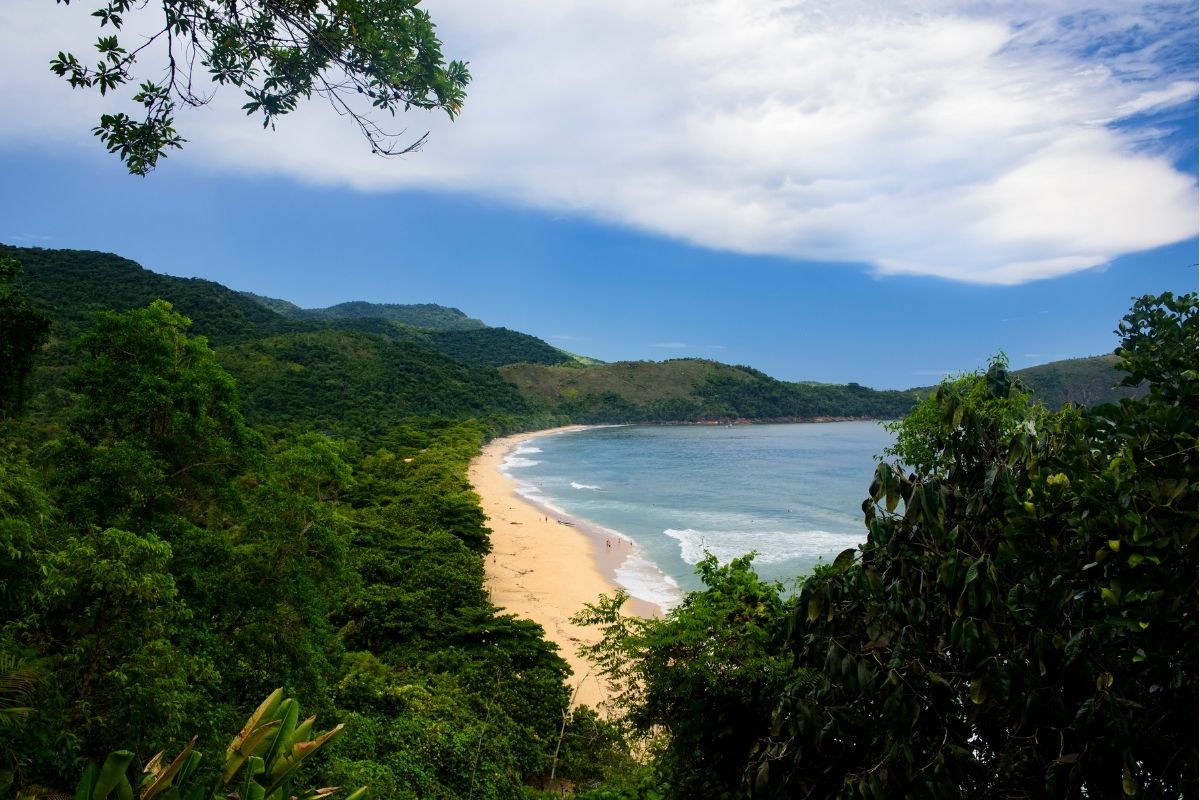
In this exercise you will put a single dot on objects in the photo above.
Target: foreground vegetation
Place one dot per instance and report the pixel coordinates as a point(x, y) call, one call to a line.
point(1022, 621)
point(184, 531)
point(164, 566)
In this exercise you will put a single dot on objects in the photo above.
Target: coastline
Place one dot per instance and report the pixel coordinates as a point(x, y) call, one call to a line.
point(543, 569)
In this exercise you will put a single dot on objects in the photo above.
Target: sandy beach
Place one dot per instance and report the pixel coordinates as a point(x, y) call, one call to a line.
point(542, 569)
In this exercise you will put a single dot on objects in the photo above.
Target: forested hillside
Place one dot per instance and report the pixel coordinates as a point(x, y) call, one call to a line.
point(71, 286)
point(1083, 381)
point(388, 361)
point(185, 530)
point(354, 382)
point(699, 390)
point(166, 562)
point(416, 315)
point(692, 389)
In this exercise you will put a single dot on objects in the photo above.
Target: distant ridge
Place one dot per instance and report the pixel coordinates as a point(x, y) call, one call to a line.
point(305, 365)
point(1083, 381)
point(693, 390)
point(72, 285)
point(418, 315)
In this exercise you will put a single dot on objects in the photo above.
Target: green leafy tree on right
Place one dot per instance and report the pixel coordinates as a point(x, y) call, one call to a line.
point(1022, 619)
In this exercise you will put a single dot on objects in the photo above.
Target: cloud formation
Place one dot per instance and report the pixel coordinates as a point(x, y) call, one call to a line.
point(989, 143)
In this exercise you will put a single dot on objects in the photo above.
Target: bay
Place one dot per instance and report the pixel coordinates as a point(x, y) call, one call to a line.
point(792, 493)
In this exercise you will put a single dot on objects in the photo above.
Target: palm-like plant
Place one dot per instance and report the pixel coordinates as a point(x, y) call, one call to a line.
point(260, 764)
point(18, 679)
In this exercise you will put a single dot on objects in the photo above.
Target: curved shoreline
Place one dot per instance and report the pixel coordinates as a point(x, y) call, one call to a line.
point(542, 569)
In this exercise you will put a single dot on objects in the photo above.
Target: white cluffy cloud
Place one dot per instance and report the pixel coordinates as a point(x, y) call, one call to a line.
point(989, 143)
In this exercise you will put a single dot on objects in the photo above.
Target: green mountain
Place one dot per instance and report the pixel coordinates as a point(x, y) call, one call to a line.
point(700, 390)
point(417, 315)
point(72, 285)
point(347, 380)
point(692, 390)
point(1083, 381)
point(447, 330)
point(325, 373)
point(495, 347)
point(378, 363)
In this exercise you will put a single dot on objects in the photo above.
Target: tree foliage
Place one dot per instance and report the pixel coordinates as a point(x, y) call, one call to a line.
point(1022, 619)
point(704, 677)
point(23, 332)
point(168, 564)
point(362, 56)
point(931, 445)
point(148, 383)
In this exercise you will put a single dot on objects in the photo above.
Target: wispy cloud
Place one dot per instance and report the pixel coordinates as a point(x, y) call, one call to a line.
point(977, 141)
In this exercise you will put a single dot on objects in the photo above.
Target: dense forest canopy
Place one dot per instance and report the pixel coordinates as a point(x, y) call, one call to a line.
point(204, 503)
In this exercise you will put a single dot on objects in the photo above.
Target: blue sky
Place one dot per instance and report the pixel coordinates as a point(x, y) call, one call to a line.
point(852, 196)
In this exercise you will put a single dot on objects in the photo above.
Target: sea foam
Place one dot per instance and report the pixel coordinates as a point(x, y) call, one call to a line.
point(575, 485)
point(534, 495)
point(772, 547)
point(515, 462)
point(646, 581)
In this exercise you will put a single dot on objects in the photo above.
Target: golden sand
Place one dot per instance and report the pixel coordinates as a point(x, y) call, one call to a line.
point(544, 570)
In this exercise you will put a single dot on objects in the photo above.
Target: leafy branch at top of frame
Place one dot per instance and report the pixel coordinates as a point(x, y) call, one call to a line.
point(361, 56)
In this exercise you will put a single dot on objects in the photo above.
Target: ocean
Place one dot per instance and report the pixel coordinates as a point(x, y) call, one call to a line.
point(791, 493)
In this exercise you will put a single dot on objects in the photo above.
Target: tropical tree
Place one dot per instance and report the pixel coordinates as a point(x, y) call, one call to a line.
point(927, 445)
point(361, 56)
point(149, 392)
point(23, 332)
point(1022, 619)
point(703, 680)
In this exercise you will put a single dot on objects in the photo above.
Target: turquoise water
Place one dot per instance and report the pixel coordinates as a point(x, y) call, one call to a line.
point(793, 493)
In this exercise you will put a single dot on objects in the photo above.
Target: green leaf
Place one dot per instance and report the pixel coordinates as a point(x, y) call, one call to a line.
point(845, 559)
point(112, 774)
point(1128, 784)
point(814, 607)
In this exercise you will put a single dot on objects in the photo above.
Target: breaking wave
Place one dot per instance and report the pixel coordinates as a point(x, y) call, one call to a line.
point(772, 546)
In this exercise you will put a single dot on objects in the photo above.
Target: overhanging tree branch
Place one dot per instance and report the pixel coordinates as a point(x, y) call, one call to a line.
point(366, 57)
